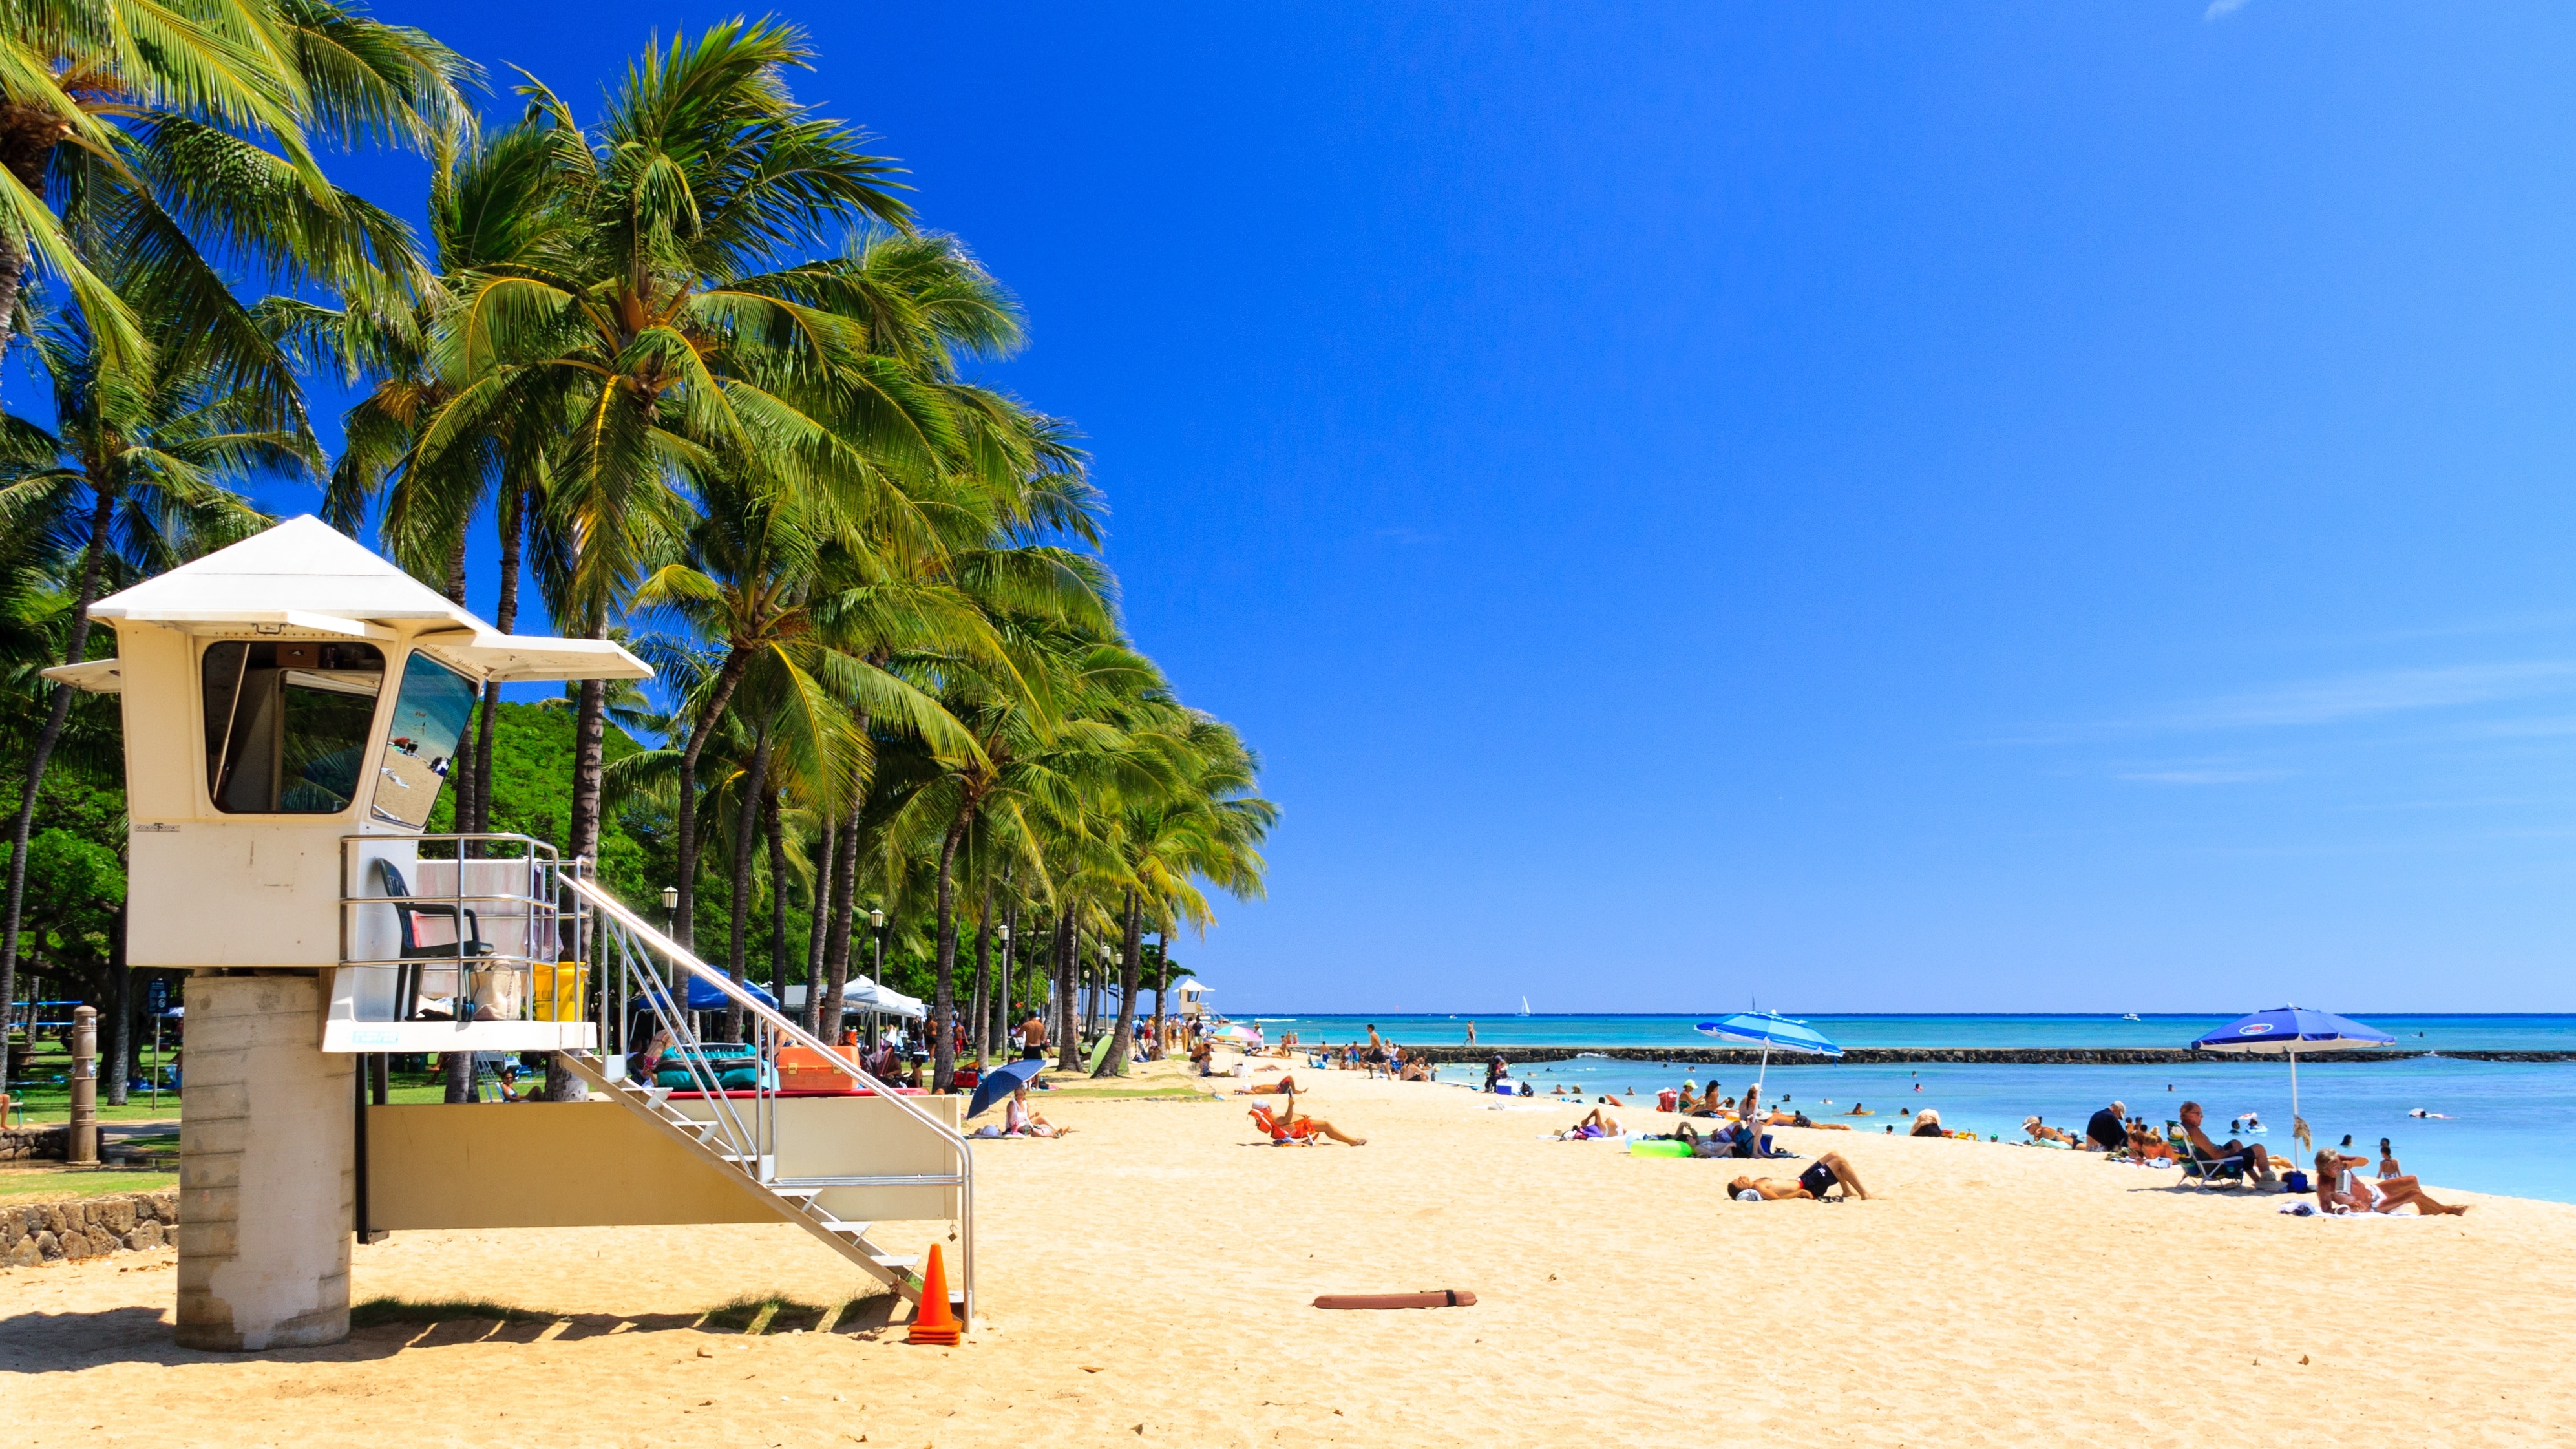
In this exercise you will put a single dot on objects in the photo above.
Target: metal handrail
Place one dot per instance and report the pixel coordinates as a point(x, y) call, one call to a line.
point(606, 908)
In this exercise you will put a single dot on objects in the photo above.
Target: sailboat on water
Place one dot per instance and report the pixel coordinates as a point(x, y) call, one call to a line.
point(1524, 1006)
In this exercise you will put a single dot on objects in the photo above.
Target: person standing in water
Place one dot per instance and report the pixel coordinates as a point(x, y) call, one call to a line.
point(1471, 1033)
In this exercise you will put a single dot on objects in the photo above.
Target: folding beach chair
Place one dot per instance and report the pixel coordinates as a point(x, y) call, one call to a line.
point(2228, 1171)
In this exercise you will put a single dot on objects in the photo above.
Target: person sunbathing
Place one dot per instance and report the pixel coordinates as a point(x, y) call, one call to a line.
point(1828, 1171)
point(2388, 1160)
point(2342, 1190)
point(2146, 1146)
point(1293, 1124)
point(1286, 1086)
point(1709, 1104)
point(2258, 1163)
point(2041, 1132)
point(1595, 1123)
point(1927, 1123)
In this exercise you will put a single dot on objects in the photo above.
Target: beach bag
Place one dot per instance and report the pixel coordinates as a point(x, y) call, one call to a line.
point(2295, 1181)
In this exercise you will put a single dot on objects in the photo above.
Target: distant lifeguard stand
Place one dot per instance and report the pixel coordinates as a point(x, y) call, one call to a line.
point(291, 705)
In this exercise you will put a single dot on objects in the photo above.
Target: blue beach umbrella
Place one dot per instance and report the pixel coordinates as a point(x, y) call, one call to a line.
point(1771, 1029)
point(2288, 1031)
point(1002, 1081)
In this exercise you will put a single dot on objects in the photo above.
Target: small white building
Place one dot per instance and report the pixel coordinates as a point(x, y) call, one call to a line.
point(1190, 995)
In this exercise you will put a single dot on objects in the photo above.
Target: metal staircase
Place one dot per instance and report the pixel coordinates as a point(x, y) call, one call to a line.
point(738, 1131)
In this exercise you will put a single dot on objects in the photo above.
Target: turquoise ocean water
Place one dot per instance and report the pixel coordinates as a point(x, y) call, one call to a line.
point(2511, 1127)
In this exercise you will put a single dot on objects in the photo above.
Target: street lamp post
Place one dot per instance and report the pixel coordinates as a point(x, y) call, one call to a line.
point(876, 958)
point(1001, 1000)
point(670, 907)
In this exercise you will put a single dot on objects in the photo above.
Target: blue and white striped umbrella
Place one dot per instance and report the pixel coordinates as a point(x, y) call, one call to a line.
point(1772, 1030)
point(2288, 1031)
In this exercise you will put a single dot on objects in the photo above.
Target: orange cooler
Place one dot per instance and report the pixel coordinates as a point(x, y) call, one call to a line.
point(803, 1069)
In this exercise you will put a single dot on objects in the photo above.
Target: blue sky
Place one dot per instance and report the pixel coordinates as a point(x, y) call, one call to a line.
point(2013, 507)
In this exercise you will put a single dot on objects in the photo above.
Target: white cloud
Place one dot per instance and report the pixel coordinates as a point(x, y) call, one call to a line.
point(2200, 776)
point(2355, 696)
point(2218, 8)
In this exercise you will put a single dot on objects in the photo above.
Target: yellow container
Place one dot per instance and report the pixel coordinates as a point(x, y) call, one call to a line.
point(562, 991)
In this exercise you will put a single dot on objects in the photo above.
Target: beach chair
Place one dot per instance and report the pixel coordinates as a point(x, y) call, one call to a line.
point(2228, 1171)
point(1281, 1135)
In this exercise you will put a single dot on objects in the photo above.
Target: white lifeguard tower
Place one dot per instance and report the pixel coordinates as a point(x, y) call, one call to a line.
point(291, 704)
point(1191, 994)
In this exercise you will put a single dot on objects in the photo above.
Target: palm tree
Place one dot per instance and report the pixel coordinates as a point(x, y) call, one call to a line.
point(671, 329)
point(161, 143)
point(139, 471)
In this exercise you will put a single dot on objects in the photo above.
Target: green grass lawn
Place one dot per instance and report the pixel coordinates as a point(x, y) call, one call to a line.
point(18, 1184)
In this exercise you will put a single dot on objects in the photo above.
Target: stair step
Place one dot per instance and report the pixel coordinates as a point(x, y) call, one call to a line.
point(835, 1225)
point(797, 1191)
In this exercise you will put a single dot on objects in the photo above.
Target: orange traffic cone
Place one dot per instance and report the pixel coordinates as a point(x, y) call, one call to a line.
point(932, 1322)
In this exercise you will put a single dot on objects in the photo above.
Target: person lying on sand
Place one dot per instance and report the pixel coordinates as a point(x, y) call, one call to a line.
point(2257, 1161)
point(1595, 1123)
point(2146, 1146)
point(1827, 1171)
point(1285, 1086)
point(2340, 1189)
point(1021, 1120)
point(1289, 1118)
point(2041, 1132)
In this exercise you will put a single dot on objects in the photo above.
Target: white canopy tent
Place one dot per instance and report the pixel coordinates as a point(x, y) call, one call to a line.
point(863, 994)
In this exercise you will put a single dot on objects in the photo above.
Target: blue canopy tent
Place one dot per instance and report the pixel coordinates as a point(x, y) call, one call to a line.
point(1772, 1030)
point(2288, 1031)
point(704, 996)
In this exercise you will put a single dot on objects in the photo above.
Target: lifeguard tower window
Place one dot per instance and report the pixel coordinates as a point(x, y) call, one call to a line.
point(286, 723)
point(429, 718)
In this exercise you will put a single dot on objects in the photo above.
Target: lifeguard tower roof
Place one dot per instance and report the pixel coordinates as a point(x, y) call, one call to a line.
point(304, 574)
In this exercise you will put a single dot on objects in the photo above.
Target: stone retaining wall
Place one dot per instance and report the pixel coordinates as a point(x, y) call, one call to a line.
point(48, 1232)
point(27, 1144)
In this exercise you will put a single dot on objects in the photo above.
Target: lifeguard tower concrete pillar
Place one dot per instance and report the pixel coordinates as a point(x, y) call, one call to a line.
point(291, 705)
point(266, 1157)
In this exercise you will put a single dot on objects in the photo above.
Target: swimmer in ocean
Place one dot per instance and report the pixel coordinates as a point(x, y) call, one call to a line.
point(2434, 1116)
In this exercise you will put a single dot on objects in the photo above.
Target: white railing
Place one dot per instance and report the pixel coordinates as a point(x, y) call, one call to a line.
point(630, 944)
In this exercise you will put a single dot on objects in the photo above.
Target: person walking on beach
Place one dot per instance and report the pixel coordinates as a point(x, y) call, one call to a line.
point(1033, 1037)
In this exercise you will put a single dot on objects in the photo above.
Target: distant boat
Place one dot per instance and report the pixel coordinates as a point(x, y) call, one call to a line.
point(2128, 1016)
point(1524, 1006)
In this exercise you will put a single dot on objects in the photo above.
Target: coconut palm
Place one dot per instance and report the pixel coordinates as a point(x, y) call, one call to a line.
point(164, 143)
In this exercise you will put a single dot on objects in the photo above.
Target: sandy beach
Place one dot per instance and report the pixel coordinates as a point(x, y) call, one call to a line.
point(1149, 1276)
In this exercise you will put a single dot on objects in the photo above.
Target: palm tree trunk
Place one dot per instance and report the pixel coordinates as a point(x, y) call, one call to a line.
point(943, 1035)
point(1066, 941)
point(746, 839)
point(26, 148)
point(836, 947)
point(819, 904)
point(460, 1077)
point(770, 825)
point(1162, 979)
point(984, 974)
point(737, 663)
point(1131, 962)
point(120, 994)
point(58, 714)
point(461, 767)
point(506, 618)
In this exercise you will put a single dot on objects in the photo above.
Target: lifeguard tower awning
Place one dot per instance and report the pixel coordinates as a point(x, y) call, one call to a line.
point(304, 574)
